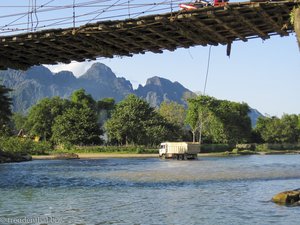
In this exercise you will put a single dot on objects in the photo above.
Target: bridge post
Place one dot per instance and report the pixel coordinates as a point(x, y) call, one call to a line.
point(297, 25)
point(295, 20)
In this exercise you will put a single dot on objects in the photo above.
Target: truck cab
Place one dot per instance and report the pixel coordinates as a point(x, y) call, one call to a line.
point(162, 149)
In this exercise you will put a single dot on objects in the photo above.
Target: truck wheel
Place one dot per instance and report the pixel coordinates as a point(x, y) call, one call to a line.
point(181, 157)
point(163, 156)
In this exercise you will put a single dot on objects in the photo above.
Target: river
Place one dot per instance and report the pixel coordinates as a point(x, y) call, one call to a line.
point(210, 190)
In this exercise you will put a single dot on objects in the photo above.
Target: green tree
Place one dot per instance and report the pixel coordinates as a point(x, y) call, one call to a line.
point(219, 120)
point(19, 121)
point(236, 122)
point(42, 115)
point(5, 110)
point(290, 131)
point(192, 117)
point(175, 115)
point(279, 130)
point(133, 121)
point(76, 126)
point(83, 99)
point(104, 109)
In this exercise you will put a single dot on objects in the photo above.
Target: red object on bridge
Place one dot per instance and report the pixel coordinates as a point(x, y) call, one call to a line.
point(186, 6)
point(202, 3)
point(220, 2)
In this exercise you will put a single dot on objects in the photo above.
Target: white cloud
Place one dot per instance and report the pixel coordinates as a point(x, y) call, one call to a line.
point(78, 68)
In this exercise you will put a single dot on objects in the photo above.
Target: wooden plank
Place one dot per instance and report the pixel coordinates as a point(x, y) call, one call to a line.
point(270, 20)
point(248, 23)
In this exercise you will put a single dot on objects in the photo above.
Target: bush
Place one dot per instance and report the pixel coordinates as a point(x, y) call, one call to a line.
point(262, 148)
point(24, 146)
point(235, 151)
point(277, 147)
point(211, 148)
point(16, 145)
point(41, 148)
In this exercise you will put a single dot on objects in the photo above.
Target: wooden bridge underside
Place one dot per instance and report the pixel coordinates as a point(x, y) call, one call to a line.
point(154, 33)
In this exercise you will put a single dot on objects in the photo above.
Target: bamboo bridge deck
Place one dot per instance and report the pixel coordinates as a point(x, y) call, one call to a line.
point(155, 33)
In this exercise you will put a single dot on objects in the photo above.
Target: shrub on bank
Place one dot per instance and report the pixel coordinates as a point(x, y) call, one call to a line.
point(16, 145)
point(276, 147)
point(24, 146)
point(212, 148)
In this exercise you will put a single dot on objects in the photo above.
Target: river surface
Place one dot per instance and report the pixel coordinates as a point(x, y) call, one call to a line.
point(211, 190)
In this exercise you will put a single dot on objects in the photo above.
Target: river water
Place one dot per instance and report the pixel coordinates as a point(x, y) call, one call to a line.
point(211, 190)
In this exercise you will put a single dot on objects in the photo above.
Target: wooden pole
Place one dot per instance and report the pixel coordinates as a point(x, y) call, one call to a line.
point(297, 25)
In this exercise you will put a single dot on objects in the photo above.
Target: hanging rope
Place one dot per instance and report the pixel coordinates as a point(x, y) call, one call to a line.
point(31, 15)
point(36, 16)
point(74, 17)
point(74, 14)
point(207, 70)
point(204, 91)
point(128, 9)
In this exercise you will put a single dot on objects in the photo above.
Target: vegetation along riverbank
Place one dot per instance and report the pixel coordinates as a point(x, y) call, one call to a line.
point(81, 125)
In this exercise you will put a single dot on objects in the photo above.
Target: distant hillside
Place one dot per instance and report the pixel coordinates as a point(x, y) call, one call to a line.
point(254, 114)
point(39, 82)
point(159, 89)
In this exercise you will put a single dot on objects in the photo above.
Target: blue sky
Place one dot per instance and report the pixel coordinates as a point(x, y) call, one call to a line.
point(264, 74)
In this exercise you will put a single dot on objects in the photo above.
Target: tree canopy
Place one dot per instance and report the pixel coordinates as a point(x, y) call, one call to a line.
point(76, 126)
point(133, 121)
point(42, 115)
point(279, 130)
point(86, 100)
point(65, 121)
point(219, 121)
point(5, 110)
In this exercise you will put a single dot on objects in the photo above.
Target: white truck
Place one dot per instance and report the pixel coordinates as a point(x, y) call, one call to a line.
point(179, 150)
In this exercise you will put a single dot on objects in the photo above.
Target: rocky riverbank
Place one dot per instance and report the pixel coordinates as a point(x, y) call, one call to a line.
point(6, 157)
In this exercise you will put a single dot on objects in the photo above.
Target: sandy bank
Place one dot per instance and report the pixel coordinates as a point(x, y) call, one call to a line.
point(102, 156)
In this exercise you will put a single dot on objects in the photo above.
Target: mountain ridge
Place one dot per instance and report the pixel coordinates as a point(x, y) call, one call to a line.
point(99, 80)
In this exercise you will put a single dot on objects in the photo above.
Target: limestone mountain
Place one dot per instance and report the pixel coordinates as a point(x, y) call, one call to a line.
point(158, 90)
point(39, 82)
point(254, 114)
point(34, 84)
point(101, 82)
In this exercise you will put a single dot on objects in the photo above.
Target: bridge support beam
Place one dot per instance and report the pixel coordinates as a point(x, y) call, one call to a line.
point(297, 24)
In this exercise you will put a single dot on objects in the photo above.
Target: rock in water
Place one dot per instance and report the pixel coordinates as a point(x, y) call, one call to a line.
point(287, 198)
point(8, 157)
point(66, 156)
